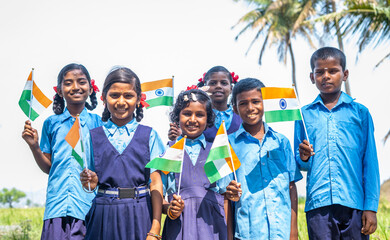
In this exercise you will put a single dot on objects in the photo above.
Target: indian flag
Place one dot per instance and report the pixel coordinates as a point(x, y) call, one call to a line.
point(75, 141)
point(219, 163)
point(280, 104)
point(158, 93)
point(33, 102)
point(171, 160)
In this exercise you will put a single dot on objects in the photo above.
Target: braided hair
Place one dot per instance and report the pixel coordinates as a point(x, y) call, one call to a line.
point(212, 70)
point(123, 75)
point(59, 102)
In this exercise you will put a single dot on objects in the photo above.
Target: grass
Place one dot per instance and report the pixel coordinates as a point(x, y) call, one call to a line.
point(26, 224)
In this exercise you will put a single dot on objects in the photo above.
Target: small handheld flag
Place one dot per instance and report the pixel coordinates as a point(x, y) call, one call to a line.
point(75, 141)
point(222, 159)
point(158, 93)
point(33, 102)
point(280, 104)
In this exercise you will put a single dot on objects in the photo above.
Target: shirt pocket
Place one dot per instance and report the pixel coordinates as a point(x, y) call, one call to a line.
point(277, 164)
point(350, 135)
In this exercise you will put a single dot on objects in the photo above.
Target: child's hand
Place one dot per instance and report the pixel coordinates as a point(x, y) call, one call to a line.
point(305, 150)
point(88, 177)
point(174, 131)
point(369, 222)
point(177, 206)
point(30, 135)
point(233, 191)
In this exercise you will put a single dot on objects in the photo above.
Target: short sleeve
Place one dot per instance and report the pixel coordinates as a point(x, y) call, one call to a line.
point(46, 137)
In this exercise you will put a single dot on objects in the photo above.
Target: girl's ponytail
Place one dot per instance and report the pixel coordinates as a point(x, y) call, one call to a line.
point(94, 101)
point(106, 114)
point(139, 113)
point(58, 104)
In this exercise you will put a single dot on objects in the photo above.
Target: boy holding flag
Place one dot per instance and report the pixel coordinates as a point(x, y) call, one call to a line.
point(343, 175)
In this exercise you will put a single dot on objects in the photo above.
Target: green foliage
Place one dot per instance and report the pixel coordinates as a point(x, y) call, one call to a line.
point(17, 223)
point(11, 196)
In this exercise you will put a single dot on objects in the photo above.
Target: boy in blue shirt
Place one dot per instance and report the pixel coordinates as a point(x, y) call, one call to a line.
point(268, 205)
point(343, 175)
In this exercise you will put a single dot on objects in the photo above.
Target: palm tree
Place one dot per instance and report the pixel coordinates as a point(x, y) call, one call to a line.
point(275, 21)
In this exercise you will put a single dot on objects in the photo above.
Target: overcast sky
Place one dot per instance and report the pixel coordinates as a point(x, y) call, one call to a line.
point(156, 39)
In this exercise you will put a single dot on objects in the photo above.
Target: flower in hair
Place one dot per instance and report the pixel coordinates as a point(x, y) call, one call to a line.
point(234, 77)
point(55, 89)
point(202, 78)
point(143, 102)
point(101, 98)
point(95, 88)
point(192, 87)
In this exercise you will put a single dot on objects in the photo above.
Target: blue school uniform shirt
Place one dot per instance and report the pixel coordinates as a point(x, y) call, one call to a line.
point(344, 169)
point(192, 147)
point(267, 168)
point(226, 116)
point(64, 195)
point(120, 138)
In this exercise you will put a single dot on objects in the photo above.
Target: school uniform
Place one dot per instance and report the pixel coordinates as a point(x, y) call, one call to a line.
point(267, 168)
point(203, 216)
point(66, 202)
point(344, 170)
point(232, 123)
point(122, 208)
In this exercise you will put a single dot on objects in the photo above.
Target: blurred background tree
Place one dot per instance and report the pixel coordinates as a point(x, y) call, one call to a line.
point(11, 196)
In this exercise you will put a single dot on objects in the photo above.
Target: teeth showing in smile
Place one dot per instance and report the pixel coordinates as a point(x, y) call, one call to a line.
point(251, 115)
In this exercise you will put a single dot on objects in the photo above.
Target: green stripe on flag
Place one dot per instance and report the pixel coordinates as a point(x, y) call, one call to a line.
point(164, 100)
point(78, 158)
point(211, 172)
point(282, 115)
point(25, 105)
point(165, 165)
point(218, 153)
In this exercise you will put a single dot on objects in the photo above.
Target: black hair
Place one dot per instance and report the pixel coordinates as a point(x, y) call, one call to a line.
point(212, 70)
point(59, 102)
point(184, 99)
point(244, 85)
point(123, 75)
point(328, 52)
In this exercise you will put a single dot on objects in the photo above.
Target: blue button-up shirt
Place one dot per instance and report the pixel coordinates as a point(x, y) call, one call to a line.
point(226, 116)
point(344, 169)
point(267, 168)
point(65, 196)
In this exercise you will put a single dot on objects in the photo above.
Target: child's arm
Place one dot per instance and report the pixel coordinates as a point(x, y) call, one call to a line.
point(369, 222)
point(174, 131)
point(88, 177)
point(294, 211)
point(156, 192)
point(30, 135)
point(229, 219)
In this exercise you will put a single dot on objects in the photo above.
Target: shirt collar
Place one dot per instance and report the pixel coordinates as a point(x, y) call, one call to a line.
point(66, 115)
point(201, 140)
point(344, 98)
point(129, 127)
point(241, 130)
point(227, 112)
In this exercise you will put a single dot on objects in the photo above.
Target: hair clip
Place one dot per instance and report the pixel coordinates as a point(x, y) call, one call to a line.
point(234, 77)
point(55, 89)
point(192, 87)
point(95, 88)
point(193, 96)
point(101, 98)
point(205, 89)
point(143, 102)
point(185, 98)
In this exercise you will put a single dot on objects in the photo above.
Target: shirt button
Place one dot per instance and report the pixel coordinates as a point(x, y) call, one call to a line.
point(263, 163)
point(265, 180)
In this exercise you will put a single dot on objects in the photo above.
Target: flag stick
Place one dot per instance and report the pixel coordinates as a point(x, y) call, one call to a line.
point(83, 147)
point(182, 163)
point(173, 89)
point(300, 111)
point(230, 152)
point(31, 94)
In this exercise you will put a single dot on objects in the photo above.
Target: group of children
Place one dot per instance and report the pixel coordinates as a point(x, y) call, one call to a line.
point(118, 198)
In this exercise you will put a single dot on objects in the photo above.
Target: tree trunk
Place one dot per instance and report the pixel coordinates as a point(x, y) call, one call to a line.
point(294, 81)
point(341, 46)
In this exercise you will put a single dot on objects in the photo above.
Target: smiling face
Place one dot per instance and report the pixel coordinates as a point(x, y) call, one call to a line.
point(328, 76)
point(75, 88)
point(193, 120)
point(121, 100)
point(220, 87)
point(249, 105)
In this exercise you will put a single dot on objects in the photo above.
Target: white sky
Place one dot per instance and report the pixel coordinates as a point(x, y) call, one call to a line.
point(156, 39)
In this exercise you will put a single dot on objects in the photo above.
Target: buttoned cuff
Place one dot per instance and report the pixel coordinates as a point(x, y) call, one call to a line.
point(371, 204)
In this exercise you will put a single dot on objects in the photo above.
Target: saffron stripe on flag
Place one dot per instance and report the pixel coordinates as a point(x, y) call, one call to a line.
point(165, 100)
point(38, 95)
point(274, 92)
point(282, 115)
point(148, 86)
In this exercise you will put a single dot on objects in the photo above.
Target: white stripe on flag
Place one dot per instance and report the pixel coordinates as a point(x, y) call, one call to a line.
point(167, 91)
point(276, 104)
point(223, 167)
point(173, 154)
point(28, 86)
point(37, 106)
point(220, 140)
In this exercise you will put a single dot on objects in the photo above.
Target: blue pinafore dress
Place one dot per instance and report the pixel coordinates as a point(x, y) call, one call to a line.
point(203, 216)
point(110, 217)
point(210, 133)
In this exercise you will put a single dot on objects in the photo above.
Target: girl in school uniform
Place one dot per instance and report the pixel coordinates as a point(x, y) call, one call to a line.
point(129, 199)
point(203, 216)
point(66, 202)
point(219, 82)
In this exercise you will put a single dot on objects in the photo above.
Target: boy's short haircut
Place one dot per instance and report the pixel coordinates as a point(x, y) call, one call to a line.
point(328, 52)
point(244, 85)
